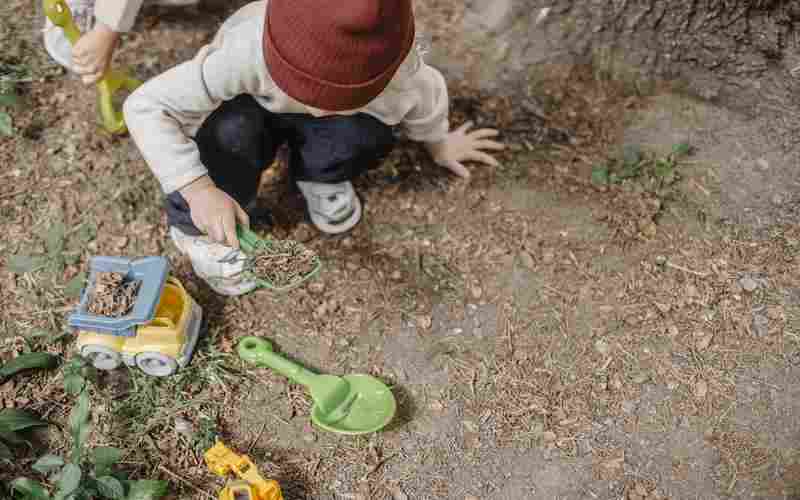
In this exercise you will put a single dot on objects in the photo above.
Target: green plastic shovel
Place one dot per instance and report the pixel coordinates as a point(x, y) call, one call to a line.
point(353, 404)
point(113, 120)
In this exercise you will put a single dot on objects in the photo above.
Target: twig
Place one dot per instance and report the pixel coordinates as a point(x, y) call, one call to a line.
point(260, 433)
point(378, 466)
point(686, 270)
point(187, 483)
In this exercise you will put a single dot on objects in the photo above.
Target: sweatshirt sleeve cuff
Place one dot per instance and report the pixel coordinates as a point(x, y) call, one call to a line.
point(119, 15)
point(177, 182)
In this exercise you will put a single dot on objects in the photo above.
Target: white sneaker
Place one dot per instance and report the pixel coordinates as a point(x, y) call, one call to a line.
point(56, 43)
point(219, 265)
point(334, 208)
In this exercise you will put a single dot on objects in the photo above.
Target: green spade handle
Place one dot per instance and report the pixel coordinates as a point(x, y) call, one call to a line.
point(113, 121)
point(259, 352)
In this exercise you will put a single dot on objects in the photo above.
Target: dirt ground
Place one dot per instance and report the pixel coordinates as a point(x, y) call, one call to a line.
point(548, 334)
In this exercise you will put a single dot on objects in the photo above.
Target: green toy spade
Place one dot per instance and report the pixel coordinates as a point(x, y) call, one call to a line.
point(112, 81)
point(353, 404)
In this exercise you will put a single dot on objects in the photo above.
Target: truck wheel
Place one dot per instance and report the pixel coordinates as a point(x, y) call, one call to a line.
point(156, 364)
point(101, 357)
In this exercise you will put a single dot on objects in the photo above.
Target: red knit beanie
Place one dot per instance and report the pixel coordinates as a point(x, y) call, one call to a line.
point(336, 55)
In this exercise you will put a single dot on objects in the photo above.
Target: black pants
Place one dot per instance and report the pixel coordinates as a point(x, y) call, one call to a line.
point(240, 139)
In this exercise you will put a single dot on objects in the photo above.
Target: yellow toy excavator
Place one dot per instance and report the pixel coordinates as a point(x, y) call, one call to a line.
point(250, 485)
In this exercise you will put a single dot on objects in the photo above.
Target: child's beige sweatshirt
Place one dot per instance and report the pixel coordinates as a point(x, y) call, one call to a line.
point(165, 113)
point(119, 15)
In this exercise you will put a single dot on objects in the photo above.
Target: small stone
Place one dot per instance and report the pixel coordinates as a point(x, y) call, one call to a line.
point(527, 260)
point(424, 321)
point(602, 346)
point(777, 199)
point(184, 427)
point(672, 331)
point(701, 389)
point(476, 291)
point(762, 164)
point(549, 436)
point(348, 242)
point(661, 260)
point(748, 284)
point(352, 266)
point(397, 276)
point(309, 438)
point(760, 325)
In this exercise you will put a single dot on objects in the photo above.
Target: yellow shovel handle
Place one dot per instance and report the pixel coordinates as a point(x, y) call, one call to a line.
point(113, 121)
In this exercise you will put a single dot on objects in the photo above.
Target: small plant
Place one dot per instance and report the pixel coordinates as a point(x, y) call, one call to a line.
point(8, 98)
point(85, 474)
point(635, 164)
point(14, 422)
point(56, 256)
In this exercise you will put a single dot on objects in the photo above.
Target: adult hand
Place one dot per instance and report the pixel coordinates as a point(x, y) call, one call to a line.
point(92, 53)
point(462, 145)
point(214, 212)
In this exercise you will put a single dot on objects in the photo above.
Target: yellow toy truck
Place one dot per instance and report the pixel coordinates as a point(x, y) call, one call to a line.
point(160, 332)
point(250, 485)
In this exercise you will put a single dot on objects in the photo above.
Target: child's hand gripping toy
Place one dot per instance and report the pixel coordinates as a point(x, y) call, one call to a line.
point(250, 485)
point(112, 81)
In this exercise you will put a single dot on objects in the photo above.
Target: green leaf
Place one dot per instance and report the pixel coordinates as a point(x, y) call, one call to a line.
point(74, 287)
point(48, 464)
point(74, 384)
point(8, 99)
point(5, 452)
point(12, 420)
point(12, 438)
point(600, 175)
point(54, 239)
point(6, 124)
point(69, 480)
point(104, 457)
point(110, 487)
point(147, 490)
point(631, 155)
point(682, 149)
point(20, 264)
point(80, 441)
point(27, 362)
point(32, 490)
point(79, 416)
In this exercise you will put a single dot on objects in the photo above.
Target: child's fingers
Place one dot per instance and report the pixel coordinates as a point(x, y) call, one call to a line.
point(489, 145)
point(482, 157)
point(484, 133)
point(457, 168)
point(244, 219)
point(229, 227)
point(465, 127)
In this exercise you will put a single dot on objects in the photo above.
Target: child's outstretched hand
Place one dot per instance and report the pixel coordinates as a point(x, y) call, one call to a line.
point(214, 212)
point(462, 145)
point(92, 53)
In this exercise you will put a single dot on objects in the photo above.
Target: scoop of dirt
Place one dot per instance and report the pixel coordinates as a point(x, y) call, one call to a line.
point(112, 296)
point(283, 262)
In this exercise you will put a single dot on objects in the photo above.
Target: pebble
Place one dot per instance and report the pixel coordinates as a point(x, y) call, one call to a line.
point(476, 291)
point(184, 427)
point(424, 321)
point(348, 242)
point(762, 164)
point(397, 275)
point(760, 325)
point(748, 284)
